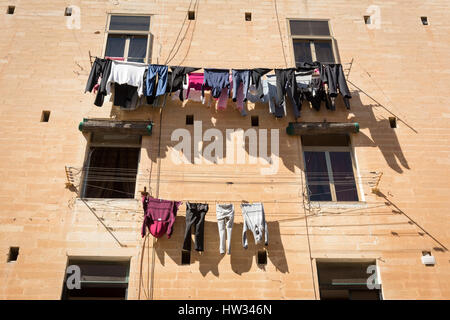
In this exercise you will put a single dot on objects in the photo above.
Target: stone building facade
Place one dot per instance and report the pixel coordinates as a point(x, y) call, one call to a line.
point(400, 157)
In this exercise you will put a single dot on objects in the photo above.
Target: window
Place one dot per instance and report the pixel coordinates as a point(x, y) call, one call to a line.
point(424, 20)
point(13, 254)
point(248, 16)
point(45, 116)
point(185, 257)
point(312, 41)
point(100, 280)
point(255, 121)
point(329, 168)
point(393, 122)
point(262, 257)
point(129, 38)
point(68, 12)
point(348, 281)
point(191, 15)
point(189, 119)
point(112, 164)
point(11, 9)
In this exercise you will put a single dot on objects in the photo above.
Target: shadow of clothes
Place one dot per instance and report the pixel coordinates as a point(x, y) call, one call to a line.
point(208, 260)
point(382, 135)
point(242, 259)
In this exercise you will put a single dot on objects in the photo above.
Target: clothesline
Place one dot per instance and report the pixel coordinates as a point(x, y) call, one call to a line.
point(170, 65)
point(132, 81)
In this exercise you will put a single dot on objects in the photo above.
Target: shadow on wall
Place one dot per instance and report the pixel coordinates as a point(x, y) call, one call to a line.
point(382, 135)
point(241, 259)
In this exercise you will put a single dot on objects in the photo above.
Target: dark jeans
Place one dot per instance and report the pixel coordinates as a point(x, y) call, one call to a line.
point(256, 75)
point(216, 79)
point(195, 216)
point(238, 77)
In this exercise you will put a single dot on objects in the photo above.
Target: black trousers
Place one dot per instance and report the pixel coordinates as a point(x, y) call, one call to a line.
point(101, 67)
point(195, 217)
point(286, 81)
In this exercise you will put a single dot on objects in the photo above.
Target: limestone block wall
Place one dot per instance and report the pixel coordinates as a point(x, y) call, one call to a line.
point(399, 69)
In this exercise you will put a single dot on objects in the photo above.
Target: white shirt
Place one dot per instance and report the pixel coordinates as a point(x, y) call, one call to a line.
point(127, 73)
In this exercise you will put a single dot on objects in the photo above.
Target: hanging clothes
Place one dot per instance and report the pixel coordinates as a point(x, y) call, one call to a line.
point(256, 75)
point(223, 98)
point(195, 217)
point(125, 96)
point(176, 78)
point(286, 84)
point(101, 69)
point(151, 83)
point(216, 80)
point(254, 221)
point(195, 81)
point(333, 76)
point(159, 216)
point(225, 220)
point(238, 77)
point(130, 73)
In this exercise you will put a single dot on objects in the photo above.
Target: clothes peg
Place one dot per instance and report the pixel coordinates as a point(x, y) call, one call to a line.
point(144, 193)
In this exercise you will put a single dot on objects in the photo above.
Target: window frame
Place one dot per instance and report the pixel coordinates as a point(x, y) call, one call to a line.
point(327, 151)
point(74, 260)
point(128, 33)
point(311, 40)
point(330, 260)
point(87, 161)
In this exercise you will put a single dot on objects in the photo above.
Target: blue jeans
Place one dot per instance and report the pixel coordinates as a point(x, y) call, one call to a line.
point(162, 72)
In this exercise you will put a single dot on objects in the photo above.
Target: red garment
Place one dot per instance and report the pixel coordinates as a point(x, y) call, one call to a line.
point(159, 216)
point(195, 81)
point(115, 58)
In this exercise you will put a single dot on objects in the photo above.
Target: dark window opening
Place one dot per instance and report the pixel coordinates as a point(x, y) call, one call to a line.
point(346, 281)
point(111, 172)
point(328, 140)
point(329, 174)
point(313, 50)
point(393, 122)
point(324, 51)
point(309, 28)
point(367, 20)
point(13, 254)
point(191, 15)
point(68, 12)
point(135, 23)
point(45, 116)
point(137, 47)
point(262, 257)
point(185, 257)
point(189, 119)
point(424, 20)
point(100, 280)
point(248, 16)
point(11, 9)
point(255, 121)
point(302, 51)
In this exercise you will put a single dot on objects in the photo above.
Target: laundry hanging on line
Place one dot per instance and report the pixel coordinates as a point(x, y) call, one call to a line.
point(313, 82)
